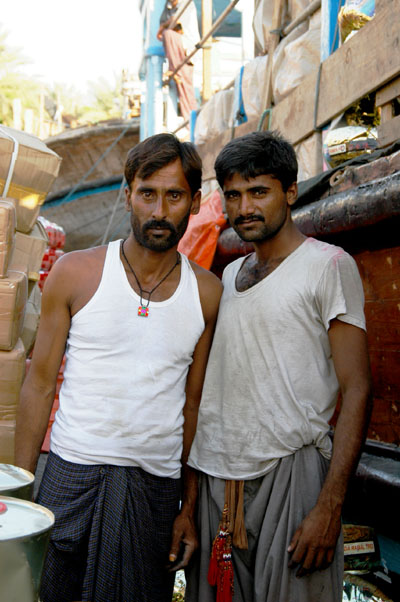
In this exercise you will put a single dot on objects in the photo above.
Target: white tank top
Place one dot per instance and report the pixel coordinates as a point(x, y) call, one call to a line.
point(123, 392)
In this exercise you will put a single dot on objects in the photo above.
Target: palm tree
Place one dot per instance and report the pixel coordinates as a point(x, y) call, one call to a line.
point(14, 84)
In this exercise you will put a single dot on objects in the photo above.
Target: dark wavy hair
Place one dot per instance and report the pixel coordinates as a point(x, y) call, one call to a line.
point(255, 154)
point(160, 150)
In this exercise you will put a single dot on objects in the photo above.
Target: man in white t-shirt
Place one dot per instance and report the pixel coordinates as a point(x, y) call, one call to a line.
point(290, 335)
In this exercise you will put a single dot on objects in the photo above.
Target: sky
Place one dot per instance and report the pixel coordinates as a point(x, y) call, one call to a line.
point(74, 41)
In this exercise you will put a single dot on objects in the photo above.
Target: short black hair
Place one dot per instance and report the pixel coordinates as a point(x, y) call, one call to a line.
point(255, 154)
point(160, 150)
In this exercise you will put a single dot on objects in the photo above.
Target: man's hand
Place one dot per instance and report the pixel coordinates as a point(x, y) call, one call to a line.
point(314, 542)
point(184, 541)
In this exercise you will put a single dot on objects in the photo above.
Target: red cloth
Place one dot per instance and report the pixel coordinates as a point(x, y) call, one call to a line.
point(184, 78)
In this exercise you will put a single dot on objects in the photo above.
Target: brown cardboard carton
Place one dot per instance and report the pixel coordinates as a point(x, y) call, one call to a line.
point(28, 169)
point(31, 321)
point(26, 216)
point(12, 372)
point(7, 233)
point(29, 250)
point(7, 436)
point(13, 298)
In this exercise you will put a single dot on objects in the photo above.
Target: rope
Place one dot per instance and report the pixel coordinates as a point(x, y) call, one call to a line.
point(121, 188)
point(262, 119)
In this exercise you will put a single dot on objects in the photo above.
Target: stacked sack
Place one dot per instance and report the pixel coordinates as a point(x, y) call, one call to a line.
point(27, 172)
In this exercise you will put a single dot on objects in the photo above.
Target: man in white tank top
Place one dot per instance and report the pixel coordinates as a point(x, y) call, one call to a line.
point(135, 320)
point(290, 334)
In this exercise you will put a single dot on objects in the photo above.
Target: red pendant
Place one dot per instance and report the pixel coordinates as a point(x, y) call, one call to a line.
point(143, 311)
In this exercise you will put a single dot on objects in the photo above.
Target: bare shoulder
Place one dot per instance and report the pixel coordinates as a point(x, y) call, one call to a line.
point(76, 275)
point(206, 279)
point(210, 290)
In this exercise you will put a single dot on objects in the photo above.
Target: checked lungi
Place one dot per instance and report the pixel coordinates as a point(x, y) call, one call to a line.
point(274, 506)
point(112, 533)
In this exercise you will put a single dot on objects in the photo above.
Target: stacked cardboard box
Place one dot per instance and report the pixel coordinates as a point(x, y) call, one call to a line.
point(27, 171)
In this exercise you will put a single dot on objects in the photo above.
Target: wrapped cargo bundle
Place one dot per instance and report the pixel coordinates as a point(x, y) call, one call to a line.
point(7, 433)
point(12, 370)
point(13, 298)
point(28, 169)
point(27, 172)
point(7, 234)
point(215, 117)
point(297, 55)
point(28, 253)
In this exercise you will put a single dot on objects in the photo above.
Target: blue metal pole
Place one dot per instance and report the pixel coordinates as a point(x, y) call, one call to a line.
point(152, 103)
point(329, 13)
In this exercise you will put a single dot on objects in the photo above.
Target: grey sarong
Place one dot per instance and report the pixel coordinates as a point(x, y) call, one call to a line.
point(274, 506)
point(112, 533)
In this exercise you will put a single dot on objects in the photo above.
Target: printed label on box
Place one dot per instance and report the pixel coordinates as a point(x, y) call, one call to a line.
point(337, 149)
point(359, 547)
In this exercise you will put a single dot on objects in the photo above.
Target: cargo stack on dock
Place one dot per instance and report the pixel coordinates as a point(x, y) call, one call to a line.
point(27, 171)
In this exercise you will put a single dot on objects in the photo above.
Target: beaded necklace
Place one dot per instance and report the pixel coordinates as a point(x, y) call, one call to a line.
point(143, 310)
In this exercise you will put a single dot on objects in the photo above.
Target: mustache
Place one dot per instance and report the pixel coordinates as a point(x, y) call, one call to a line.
point(161, 224)
point(242, 218)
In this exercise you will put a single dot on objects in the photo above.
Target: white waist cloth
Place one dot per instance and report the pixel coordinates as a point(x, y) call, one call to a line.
point(124, 383)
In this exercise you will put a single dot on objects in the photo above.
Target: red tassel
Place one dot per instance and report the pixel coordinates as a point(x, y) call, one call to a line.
point(213, 570)
point(225, 585)
point(220, 569)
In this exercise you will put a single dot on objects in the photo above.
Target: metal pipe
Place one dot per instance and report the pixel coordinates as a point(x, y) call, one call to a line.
point(200, 44)
point(230, 85)
point(307, 12)
point(358, 207)
point(183, 125)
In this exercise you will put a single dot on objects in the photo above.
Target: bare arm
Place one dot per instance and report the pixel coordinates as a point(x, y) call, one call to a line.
point(38, 390)
point(162, 27)
point(184, 531)
point(313, 544)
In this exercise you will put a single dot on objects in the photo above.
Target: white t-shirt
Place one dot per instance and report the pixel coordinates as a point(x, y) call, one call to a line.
point(270, 385)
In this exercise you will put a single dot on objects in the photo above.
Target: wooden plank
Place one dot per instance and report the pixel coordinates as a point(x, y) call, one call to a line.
point(386, 112)
point(389, 131)
point(365, 63)
point(206, 24)
point(380, 273)
point(388, 93)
